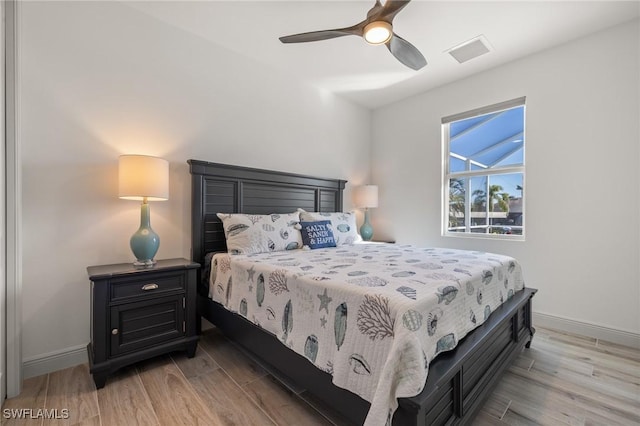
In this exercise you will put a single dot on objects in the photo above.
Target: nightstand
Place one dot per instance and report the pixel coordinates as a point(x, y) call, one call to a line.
point(140, 313)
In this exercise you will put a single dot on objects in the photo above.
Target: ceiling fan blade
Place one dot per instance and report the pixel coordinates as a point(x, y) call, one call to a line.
point(321, 35)
point(375, 9)
point(406, 52)
point(391, 9)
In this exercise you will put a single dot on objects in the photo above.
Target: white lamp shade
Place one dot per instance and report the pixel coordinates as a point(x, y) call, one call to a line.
point(142, 176)
point(366, 196)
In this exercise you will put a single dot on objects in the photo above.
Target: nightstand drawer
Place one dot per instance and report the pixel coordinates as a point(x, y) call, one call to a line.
point(151, 285)
point(142, 324)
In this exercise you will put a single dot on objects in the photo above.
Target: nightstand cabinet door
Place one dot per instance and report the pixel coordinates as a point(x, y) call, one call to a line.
point(137, 314)
point(142, 324)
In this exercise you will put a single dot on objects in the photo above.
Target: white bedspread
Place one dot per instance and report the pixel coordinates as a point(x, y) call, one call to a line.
point(371, 315)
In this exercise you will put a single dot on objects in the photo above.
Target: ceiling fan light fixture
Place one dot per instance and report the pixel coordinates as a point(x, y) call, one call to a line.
point(377, 32)
point(376, 29)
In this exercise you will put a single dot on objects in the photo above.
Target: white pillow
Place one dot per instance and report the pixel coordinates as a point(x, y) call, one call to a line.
point(345, 230)
point(250, 233)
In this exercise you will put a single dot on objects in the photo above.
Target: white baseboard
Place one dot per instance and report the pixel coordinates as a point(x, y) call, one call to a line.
point(612, 335)
point(54, 361)
point(65, 358)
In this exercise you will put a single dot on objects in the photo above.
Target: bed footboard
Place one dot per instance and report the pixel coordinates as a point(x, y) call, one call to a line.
point(457, 385)
point(460, 381)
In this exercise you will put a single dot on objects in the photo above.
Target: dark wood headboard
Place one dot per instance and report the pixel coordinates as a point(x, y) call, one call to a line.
point(222, 188)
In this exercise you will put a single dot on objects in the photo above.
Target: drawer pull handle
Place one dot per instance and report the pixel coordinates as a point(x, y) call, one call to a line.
point(147, 287)
point(114, 331)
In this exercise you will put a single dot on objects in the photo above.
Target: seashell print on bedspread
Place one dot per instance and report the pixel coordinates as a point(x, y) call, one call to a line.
point(372, 315)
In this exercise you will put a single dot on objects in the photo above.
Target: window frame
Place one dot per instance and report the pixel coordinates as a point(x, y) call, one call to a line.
point(447, 175)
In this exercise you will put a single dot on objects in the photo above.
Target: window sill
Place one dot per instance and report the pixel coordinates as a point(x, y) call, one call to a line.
point(495, 237)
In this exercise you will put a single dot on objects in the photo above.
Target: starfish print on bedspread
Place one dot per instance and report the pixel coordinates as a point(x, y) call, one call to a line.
point(250, 273)
point(324, 301)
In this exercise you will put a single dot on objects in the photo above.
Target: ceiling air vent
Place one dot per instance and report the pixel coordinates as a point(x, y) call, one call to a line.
point(470, 49)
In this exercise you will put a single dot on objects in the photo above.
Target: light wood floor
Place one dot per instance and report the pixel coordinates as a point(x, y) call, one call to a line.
point(562, 380)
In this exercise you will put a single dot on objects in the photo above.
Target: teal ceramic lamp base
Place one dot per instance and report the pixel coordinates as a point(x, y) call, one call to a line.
point(145, 242)
point(366, 230)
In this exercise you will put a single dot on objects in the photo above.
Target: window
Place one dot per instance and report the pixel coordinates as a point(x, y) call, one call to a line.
point(484, 171)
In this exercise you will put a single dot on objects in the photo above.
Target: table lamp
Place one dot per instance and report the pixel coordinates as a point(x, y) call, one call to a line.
point(144, 178)
point(366, 197)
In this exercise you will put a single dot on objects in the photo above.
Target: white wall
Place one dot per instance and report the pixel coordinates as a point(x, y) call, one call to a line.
point(3, 197)
point(101, 79)
point(582, 180)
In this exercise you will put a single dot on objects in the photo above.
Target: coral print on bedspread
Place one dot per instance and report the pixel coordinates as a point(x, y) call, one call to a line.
point(371, 315)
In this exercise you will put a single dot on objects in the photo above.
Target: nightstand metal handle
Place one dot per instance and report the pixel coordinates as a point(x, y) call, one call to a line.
point(147, 287)
point(114, 331)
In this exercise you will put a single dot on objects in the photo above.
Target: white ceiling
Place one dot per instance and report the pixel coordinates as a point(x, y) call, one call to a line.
point(370, 75)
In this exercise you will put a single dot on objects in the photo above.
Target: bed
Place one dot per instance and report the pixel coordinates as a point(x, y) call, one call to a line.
point(458, 381)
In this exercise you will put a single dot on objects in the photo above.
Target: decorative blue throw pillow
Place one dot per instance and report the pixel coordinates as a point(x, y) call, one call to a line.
point(317, 234)
point(343, 225)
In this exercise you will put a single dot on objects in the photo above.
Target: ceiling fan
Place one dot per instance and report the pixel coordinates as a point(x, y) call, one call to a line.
point(377, 28)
